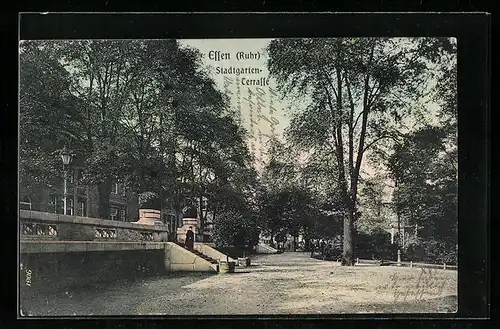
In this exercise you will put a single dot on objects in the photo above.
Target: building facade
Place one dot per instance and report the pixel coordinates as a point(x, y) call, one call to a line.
point(81, 200)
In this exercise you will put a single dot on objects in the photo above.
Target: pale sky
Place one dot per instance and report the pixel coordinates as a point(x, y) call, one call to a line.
point(270, 112)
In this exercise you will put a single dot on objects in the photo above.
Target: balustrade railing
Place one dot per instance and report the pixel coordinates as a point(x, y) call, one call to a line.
point(105, 233)
point(39, 229)
point(43, 225)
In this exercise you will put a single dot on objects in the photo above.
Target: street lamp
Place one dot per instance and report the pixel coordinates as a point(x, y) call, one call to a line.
point(66, 157)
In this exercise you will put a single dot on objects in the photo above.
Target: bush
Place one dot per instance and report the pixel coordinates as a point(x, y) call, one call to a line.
point(440, 252)
point(333, 253)
point(233, 229)
point(375, 245)
point(432, 251)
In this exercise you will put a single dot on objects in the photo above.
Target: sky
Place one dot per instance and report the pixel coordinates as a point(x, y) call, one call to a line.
point(253, 93)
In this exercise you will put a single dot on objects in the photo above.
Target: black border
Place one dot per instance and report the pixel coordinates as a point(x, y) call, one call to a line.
point(472, 31)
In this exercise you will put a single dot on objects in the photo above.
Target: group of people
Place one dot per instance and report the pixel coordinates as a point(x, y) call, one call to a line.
point(291, 246)
point(323, 247)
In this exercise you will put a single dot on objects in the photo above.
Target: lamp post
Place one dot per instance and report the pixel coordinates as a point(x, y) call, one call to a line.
point(398, 216)
point(66, 159)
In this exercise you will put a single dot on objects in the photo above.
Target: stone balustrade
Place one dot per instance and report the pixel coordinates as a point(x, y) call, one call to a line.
point(55, 234)
point(37, 225)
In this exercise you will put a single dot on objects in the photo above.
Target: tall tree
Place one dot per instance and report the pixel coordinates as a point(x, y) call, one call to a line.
point(425, 162)
point(143, 111)
point(101, 74)
point(358, 90)
point(45, 103)
point(426, 194)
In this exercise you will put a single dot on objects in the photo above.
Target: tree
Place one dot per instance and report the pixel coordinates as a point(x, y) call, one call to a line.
point(423, 163)
point(426, 193)
point(374, 202)
point(286, 203)
point(169, 120)
point(277, 176)
point(43, 109)
point(142, 111)
point(235, 229)
point(101, 73)
point(358, 90)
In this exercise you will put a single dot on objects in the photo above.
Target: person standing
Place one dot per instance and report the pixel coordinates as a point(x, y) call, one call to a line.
point(313, 248)
point(190, 238)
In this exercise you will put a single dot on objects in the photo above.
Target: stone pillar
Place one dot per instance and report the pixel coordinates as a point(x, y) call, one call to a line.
point(149, 217)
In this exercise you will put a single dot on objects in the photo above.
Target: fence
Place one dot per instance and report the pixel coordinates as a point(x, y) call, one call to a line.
point(404, 264)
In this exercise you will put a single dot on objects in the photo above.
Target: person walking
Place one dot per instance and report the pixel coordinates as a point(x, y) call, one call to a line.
point(328, 251)
point(313, 248)
point(190, 238)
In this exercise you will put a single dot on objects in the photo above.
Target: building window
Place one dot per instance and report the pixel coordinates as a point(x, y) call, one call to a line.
point(118, 189)
point(122, 215)
point(80, 175)
point(71, 176)
point(82, 211)
point(113, 212)
point(54, 204)
point(52, 199)
point(70, 207)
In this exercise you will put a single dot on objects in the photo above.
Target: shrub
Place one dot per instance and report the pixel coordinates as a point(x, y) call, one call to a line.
point(234, 229)
point(375, 245)
point(432, 251)
point(440, 252)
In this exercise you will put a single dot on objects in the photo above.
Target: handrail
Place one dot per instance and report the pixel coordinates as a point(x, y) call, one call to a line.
point(30, 215)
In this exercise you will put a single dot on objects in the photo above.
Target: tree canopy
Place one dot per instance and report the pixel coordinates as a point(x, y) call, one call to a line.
point(140, 111)
point(359, 92)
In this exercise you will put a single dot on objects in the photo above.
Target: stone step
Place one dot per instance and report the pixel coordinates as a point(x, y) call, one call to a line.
point(199, 254)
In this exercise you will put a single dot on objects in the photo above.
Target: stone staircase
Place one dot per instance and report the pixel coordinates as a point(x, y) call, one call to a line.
point(263, 248)
point(199, 254)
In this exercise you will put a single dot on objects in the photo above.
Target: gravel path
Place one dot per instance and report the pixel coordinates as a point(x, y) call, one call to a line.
point(289, 283)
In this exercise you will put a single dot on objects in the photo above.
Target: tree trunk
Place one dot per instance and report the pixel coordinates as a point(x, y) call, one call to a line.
point(202, 220)
point(200, 203)
point(104, 189)
point(348, 247)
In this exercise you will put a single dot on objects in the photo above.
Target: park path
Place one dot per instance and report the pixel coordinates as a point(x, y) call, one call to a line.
point(288, 283)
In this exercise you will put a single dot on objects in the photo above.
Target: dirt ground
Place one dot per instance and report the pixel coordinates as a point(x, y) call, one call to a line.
point(288, 283)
